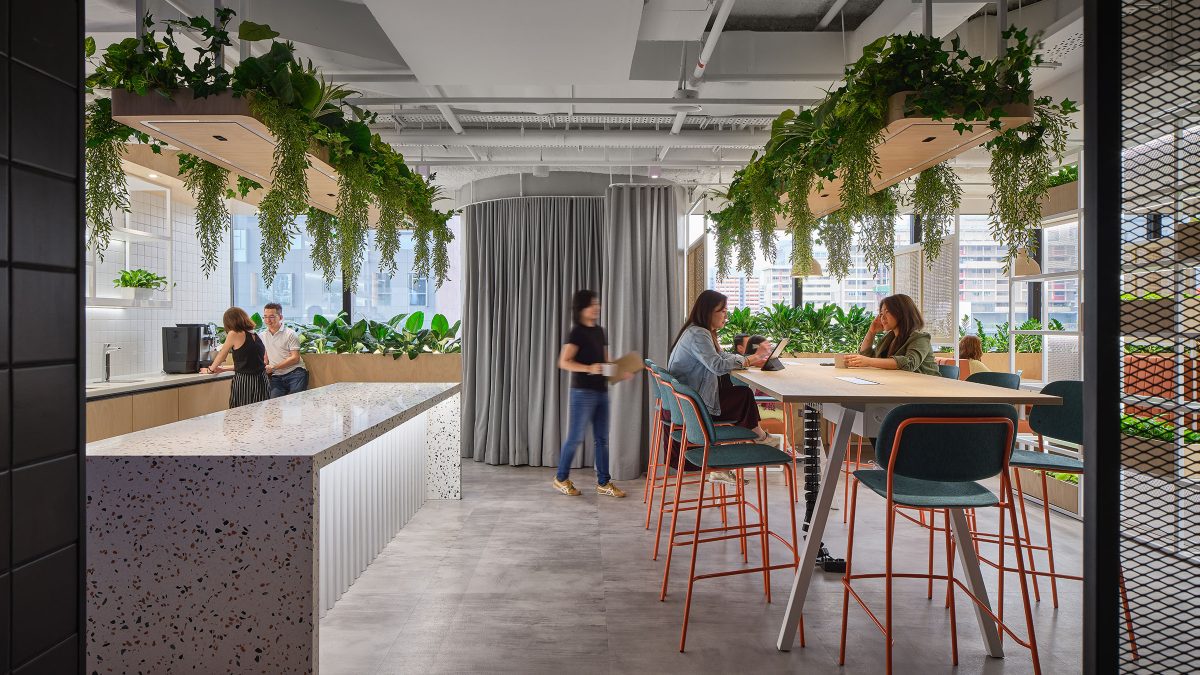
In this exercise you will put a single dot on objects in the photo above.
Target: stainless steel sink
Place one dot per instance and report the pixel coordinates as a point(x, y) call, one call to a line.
point(118, 381)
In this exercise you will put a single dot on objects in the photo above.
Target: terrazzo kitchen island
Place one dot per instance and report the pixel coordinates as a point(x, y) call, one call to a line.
point(216, 543)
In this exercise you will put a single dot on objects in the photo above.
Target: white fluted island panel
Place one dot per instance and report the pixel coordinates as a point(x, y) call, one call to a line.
point(215, 543)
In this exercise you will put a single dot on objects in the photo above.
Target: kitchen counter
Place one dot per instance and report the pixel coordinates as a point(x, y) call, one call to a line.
point(240, 528)
point(137, 384)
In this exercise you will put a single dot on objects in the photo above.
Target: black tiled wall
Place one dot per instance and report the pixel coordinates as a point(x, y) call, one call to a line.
point(41, 298)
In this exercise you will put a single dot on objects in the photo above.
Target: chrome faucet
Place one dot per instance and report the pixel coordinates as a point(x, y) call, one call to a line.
point(108, 350)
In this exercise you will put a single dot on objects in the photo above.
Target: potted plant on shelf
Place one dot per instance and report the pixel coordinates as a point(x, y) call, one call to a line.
point(138, 284)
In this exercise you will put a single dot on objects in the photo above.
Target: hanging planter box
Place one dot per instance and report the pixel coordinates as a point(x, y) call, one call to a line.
point(222, 130)
point(1060, 199)
point(1060, 494)
point(912, 144)
point(1141, 315)
point(1156, 457)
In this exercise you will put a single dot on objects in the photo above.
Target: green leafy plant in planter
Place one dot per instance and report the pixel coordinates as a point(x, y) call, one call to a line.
point(402, 335)
point(935, 198)
point(740, 321)
point(307, 115)
point(1067, 174)
point(139, 278)
point(838, 137)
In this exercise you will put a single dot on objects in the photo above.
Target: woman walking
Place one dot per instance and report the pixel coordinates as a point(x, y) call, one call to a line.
point(584, 356)
point(250, 384)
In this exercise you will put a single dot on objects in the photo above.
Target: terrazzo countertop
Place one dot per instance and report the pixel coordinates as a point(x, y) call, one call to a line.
point(120, 386)
point(322, 424)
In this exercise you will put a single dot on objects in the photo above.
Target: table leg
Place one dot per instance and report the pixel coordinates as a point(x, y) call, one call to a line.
point(816, 530)
point(974, 579)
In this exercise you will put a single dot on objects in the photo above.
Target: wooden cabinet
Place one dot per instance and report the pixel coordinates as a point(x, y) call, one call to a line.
point(133, 412)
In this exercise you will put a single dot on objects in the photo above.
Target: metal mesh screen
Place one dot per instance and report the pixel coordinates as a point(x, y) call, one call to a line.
point(906, 273)
point(939, 284)
point(1160, 324)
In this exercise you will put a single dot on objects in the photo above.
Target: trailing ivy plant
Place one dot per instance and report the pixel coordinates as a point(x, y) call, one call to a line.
point(878, 235)
point(322, 230)
point(837, 233)
point(838, 138)
point(353, 212)
point(104, 143)
point(1023, 161)
point(935, 198)
point(306, 113)
point(207, 183)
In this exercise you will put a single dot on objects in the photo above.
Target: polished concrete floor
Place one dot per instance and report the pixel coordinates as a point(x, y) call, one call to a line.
point(517, 578)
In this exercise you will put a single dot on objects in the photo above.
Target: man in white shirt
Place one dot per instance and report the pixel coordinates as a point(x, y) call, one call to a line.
point(284, 367)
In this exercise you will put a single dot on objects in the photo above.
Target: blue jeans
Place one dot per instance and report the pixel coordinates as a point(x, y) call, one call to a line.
point(587, 406)
point(289, 383)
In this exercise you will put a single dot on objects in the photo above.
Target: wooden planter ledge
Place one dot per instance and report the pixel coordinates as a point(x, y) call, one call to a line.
point(912, 144)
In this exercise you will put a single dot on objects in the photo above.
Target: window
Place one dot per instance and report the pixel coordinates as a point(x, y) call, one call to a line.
point(297, 286)
point(380, 296)
point(983, 291)
point(416, 290)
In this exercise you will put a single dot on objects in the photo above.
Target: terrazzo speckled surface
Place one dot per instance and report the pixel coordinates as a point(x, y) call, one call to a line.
point(443, 473)
point(202, 545)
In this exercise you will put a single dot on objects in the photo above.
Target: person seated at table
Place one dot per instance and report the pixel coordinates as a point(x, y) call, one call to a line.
point(903, 347)
point(698, 361)
point(971, 349)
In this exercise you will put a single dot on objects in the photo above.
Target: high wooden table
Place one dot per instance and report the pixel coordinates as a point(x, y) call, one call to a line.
point(860, 408)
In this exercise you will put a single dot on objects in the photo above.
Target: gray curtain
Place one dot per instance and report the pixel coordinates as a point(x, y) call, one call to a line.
point(642, 301)
point(524, 257)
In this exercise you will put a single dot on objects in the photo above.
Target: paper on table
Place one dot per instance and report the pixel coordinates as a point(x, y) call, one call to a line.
point(629, 363)
point(856, 380)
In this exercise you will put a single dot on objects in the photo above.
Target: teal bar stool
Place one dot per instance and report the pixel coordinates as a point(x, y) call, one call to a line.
point(1064, 423)
point(672, 429)
point(996, 379)
point(934, 455)
point(706, 453)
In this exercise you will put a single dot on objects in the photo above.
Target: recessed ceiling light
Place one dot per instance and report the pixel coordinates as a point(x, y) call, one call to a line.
point(152, 175)
point(220, 138)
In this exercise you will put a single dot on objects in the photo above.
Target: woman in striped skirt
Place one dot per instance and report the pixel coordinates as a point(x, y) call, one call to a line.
point(250, 384)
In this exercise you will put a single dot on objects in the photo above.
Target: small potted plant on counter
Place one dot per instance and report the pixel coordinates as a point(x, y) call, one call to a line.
point(139, 284)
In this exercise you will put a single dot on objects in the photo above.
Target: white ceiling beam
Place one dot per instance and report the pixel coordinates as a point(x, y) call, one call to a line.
point(516, 138)
point(577, 100)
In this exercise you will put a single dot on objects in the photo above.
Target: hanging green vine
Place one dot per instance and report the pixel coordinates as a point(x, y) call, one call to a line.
point(837, 233)
point(838, 138)
point(387, 230)
point(207, 183)
point(1023, 161)
point(935, 198)
point(107, 191)
point(353, 213)
point(801, 223)
point(303, 110)
point(878, 236)
point(322, 230)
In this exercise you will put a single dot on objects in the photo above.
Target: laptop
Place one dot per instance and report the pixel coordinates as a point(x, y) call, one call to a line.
point(773, 362)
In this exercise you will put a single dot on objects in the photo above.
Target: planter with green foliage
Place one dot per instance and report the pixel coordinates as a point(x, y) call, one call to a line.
point(139, 284)
point(1062, 489)
point(1150, 445)
point(305, 114)
point(838, 140)
point(811, 329)
point(1149, 313)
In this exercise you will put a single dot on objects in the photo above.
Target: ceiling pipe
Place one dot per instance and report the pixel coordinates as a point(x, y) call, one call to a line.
point(621, 164)
point(443, 108)
point(577, 100)
point(834, 9)
point(516, 138)
point(710, 43)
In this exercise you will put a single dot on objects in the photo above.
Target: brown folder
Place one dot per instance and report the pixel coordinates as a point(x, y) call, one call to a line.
point(629, 363)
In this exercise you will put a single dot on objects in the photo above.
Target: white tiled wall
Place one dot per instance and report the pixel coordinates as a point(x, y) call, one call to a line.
point(196, 299)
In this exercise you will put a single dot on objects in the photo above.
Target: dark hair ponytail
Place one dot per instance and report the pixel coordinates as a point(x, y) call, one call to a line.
point(580, 301)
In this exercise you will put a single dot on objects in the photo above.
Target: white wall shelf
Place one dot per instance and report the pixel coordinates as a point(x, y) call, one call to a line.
point(123, 233)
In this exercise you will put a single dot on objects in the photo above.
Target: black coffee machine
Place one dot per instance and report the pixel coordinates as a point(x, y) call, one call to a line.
point(188, 347)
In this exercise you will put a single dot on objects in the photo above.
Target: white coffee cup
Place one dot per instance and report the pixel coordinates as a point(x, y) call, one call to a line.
point(608, 369)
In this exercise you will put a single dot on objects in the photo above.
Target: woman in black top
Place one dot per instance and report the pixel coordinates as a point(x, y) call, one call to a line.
point(584, 356)
point(250, 384)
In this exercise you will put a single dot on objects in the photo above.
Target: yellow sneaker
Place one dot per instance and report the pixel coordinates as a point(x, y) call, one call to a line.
point(609, 490)
point(566, 487)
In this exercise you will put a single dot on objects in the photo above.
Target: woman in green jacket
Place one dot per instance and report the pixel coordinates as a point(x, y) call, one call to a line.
point(903, 347)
